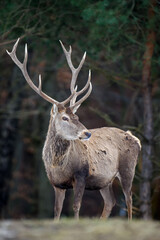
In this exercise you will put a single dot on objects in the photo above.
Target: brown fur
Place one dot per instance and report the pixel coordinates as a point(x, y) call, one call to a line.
point(91, 164)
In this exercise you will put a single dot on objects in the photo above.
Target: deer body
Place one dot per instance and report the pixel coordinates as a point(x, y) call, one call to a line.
point(78, 158)
point(98, 159)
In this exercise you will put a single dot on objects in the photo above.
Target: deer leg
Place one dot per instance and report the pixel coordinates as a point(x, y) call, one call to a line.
point(59, 198)
point(128, 198)
point(109, 200)
point(126, 183)
point(78, 187)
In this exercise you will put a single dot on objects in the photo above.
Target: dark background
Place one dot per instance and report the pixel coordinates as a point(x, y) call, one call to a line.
point(122, 40)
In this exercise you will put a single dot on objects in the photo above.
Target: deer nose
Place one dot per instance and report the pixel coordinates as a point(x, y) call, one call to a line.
point(88, 134)
point(85, 135)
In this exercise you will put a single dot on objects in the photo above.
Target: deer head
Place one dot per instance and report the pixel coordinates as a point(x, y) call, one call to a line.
point(63, 118)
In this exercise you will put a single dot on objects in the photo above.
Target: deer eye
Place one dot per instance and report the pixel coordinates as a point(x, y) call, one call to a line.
point(65, 119)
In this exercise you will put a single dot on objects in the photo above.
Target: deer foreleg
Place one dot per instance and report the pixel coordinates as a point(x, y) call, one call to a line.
point(59, 198)
point(79, 186)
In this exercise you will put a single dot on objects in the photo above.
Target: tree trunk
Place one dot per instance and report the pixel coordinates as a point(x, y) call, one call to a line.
point(145, 189)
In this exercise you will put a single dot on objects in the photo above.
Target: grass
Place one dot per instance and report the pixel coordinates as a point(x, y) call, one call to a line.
point(85, 229)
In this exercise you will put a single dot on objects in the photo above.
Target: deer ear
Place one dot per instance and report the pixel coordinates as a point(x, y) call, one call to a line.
point(74, 110)
point(54, 109)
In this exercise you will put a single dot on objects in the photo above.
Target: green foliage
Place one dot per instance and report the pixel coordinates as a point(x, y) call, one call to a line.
point(108, 26)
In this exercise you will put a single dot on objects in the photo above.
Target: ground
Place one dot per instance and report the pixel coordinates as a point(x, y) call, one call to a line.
point(85, 229)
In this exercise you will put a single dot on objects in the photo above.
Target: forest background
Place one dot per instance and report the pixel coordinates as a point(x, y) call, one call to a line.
point(122, 40)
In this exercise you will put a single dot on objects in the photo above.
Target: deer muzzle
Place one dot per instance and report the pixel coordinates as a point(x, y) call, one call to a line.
point(85, 135)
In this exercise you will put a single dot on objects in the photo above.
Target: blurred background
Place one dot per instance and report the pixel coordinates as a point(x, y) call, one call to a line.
point(122, 40)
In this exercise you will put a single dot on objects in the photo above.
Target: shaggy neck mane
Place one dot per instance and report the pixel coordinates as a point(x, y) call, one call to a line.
point(60, 146)
point(55, 146)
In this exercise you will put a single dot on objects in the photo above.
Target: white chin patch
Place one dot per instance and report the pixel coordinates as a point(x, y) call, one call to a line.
point(70, 138)
point(85, 139)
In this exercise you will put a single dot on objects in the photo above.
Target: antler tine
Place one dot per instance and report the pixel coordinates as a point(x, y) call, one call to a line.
point(86, 95)
point(13, 55)
point(75, 71)
point(83, 98)
point(23, 68)
point(73, 100)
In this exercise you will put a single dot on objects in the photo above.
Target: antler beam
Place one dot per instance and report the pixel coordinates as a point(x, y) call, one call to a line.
point(23, 68)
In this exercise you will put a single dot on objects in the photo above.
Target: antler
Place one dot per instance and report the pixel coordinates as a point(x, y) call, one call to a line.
point(75, 72)
point(23, 68)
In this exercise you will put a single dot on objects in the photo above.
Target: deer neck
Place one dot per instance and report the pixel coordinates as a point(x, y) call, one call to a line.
point(55, 147)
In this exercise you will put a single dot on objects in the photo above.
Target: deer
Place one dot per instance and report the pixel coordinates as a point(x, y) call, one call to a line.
point(77, 158)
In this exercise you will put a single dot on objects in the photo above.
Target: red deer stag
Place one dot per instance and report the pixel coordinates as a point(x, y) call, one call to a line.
point(70, 161)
